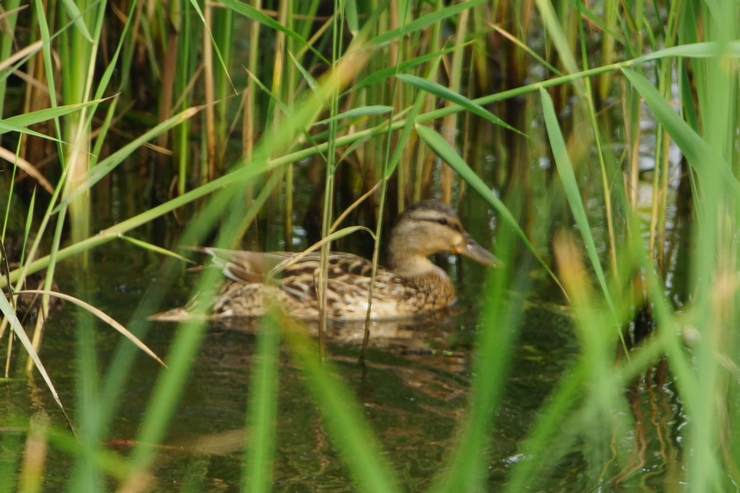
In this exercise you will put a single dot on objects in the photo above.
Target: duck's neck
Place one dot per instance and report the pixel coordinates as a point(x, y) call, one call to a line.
point(410, 264)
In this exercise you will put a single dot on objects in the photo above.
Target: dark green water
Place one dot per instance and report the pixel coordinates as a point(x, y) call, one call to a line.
point(413, 392)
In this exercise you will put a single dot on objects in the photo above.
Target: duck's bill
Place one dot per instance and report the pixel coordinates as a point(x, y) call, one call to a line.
point(469, 248)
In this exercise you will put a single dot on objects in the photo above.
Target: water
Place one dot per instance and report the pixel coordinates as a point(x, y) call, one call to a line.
point(413, 391)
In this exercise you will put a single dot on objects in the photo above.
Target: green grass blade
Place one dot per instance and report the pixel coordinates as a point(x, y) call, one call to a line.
point(358, 113)
point(502, 312)
point(262, 409)
point(350, 13)
point(457, 98)
point(537, 447)
point(390, 168)
point(251, 13)
point(305, 73)
point(154, 248)
point(115, 231)
point(568, 178)
point(76, 16)
point(387, 72)
point(108, 164)
point(342, 415)
point(29, 223)
point(214, 43)
point(555, 30)
point(6, 126)
point(34, 117)
point(440, 146)
point(8, 313)
point(422, 22)
point(701, 156)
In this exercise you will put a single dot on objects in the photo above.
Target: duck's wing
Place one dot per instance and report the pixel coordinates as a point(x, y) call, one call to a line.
point(246, 267)
point(249, 267)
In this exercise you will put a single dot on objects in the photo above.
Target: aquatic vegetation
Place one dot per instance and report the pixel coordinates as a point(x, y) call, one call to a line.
point(602, 136)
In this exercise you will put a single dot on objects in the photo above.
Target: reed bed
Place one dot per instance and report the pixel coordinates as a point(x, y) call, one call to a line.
point(223, 104)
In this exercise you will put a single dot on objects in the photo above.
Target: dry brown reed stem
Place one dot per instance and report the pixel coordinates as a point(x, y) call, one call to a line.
point(250, 107)
point(27, 167)
point(36, 98)
point(278, 89)
point(38, 330)
point(210, 98)
point(449, 122)
point(8, 352)
point(18, 55)
point(663, 207)
point(168, 85)
point(632, 130)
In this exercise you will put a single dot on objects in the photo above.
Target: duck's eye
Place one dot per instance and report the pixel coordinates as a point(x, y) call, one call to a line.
point(442, 221)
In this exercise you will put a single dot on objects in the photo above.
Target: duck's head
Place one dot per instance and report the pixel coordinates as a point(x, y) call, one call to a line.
point(426, 228)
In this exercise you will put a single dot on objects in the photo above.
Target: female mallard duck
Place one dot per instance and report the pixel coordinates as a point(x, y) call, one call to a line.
point(411, 285)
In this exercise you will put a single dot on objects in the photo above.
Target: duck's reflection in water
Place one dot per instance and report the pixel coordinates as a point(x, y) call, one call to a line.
point(423, 334)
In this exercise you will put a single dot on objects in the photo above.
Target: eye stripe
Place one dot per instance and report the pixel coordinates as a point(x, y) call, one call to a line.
point(450, 224)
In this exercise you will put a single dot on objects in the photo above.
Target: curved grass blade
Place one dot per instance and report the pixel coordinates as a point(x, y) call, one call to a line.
point(327, 239)
point(358, 112)
point(555, 30)
point(214, 43)
point(454, 97)
point(6, 126)
point(154, 248)
point(108, 164)
point(384, 73)
point(108, 234)
point(76, 16)
point(568, 178)
point(27, 167)
point(408, 127)
point(422, 22)
point(350, 7)
point(440, 146)
point(700, 155)
point(342, 415)
point(251, 13)
point(101, 315)
point(305, 73)
point(9, 314)
point(28, 119)
point(693, 50)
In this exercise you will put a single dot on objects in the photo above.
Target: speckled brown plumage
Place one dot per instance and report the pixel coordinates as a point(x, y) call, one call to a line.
point(411, 285)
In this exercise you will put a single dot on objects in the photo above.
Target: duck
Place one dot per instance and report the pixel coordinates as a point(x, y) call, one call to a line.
point(411, 284)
